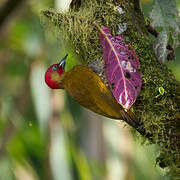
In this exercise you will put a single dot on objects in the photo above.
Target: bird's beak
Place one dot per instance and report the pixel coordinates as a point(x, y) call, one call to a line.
point(63, 62)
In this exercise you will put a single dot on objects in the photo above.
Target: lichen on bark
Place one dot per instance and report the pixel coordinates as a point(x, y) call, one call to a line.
point(160, 113)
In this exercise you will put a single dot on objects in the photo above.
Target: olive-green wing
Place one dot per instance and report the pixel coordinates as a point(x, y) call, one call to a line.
point(87, 89)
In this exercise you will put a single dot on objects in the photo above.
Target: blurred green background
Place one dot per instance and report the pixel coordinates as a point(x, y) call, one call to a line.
point(44, 134)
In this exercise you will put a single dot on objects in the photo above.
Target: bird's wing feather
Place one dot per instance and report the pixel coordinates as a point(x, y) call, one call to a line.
point(88, 90)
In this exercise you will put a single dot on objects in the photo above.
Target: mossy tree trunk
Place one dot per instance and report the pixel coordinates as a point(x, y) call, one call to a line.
point(160, 114)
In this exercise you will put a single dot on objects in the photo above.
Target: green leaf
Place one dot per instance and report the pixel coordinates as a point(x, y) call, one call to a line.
point(161, 90)
point(165, 16)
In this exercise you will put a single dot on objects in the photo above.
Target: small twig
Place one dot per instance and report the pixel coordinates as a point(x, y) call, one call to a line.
point(152, 31)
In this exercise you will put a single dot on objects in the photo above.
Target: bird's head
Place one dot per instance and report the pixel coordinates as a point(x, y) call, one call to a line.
point(53, 75)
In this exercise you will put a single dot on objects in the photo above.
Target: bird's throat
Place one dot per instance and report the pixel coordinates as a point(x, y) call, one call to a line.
point(56, 77)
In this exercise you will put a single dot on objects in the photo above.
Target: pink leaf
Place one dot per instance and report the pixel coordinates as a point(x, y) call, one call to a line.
point(121, 68)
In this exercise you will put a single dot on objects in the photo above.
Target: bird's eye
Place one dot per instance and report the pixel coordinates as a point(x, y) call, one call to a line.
point(54, 68)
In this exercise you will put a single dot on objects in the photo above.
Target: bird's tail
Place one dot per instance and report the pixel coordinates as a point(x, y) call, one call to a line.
point(131, 119)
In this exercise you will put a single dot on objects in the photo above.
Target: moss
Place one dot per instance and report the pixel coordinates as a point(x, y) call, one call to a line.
point(160, 113)
point(78, 28)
